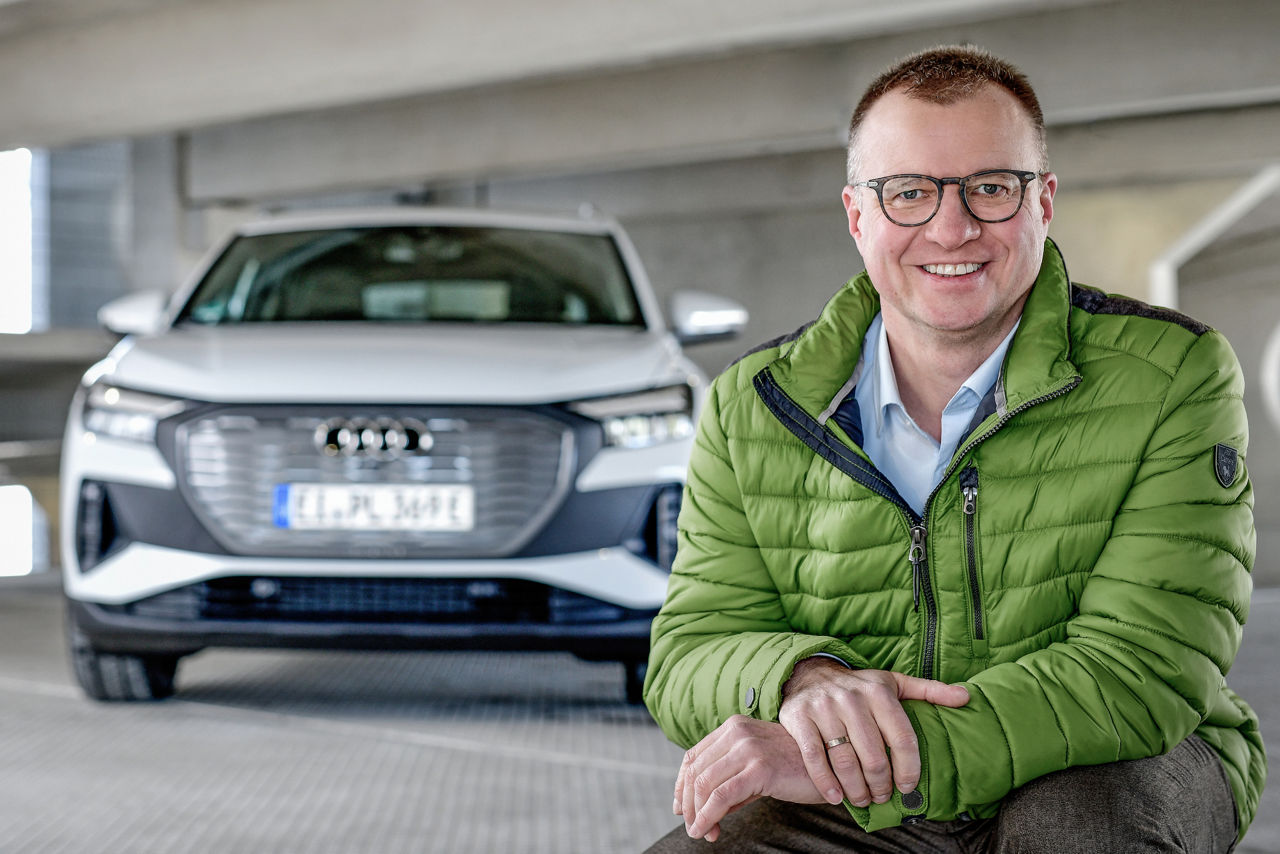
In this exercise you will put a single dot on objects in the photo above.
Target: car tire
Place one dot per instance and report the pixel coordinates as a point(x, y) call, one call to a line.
point(119, 677)
point(635, 671)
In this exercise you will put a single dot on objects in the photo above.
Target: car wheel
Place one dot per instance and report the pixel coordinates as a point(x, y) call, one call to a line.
point(120, 677)
point(635, 671)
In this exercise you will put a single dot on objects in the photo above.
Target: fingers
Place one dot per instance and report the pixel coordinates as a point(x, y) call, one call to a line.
point(896, 748)
point(741, 760)
point(847, 765)
point(883, 752)
point(709, 785)
point(813, 751)
point(867, 735)
point(818, 712)
point(930, 690)
point(715, 799)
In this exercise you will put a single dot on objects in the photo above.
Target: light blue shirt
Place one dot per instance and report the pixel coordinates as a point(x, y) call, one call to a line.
point(905, 454)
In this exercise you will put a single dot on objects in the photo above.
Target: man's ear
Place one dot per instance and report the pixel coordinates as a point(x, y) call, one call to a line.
point(850, 198)
point(1048, 189)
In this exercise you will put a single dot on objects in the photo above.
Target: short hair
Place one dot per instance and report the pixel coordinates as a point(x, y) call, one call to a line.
point(945, 75)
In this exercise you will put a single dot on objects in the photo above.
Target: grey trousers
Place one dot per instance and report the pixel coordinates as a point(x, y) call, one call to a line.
point(1178, 802)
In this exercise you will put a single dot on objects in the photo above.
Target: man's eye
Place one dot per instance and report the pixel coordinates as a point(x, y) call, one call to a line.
point(910, 195)
point(991, 189)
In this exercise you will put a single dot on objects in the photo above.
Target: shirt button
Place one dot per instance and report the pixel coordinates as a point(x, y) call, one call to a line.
point(749, 698)
point(913, 800)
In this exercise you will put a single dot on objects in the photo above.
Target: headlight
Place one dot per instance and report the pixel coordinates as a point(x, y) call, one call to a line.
point(642, 419)
point(126, 414)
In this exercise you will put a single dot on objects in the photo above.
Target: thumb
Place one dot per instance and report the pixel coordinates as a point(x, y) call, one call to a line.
point(931, 691)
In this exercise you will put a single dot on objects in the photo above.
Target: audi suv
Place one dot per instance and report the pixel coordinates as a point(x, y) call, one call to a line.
point(400, 429)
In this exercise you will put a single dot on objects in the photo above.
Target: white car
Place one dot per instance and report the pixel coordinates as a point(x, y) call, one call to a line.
point(421, 429)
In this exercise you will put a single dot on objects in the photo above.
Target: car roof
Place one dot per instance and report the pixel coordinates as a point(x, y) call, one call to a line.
point(373, 217)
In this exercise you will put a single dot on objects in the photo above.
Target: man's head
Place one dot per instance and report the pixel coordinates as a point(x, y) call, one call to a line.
point(945, 75)
point(955, 274)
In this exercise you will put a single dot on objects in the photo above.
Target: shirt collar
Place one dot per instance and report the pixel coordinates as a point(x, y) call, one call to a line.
point(884, 382)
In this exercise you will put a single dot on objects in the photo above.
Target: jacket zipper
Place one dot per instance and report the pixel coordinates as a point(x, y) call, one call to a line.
point(931, 611)
point(969, 489)
point(820, 439)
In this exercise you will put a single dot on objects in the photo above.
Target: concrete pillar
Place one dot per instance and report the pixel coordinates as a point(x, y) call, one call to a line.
point(154, 214)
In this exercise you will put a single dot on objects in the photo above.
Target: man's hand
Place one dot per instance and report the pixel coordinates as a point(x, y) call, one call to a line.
point(824, 700)
point(739, 761)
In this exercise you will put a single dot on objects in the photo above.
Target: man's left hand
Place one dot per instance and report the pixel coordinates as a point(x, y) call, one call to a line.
point(877, 748)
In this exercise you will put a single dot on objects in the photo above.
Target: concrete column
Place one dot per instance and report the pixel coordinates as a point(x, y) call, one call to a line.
point(154, 215)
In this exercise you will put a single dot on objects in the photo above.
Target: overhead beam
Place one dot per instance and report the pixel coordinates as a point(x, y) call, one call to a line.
point(178, 65)
point(1090, 65)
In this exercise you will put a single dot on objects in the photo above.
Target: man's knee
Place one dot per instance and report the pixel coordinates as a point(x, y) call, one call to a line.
point(1179, 802)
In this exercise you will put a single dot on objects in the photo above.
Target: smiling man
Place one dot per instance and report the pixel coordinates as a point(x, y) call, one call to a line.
point(963, 563)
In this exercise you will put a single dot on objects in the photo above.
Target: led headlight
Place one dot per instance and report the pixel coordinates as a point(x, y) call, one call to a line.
point(122, 413)
point(644, 418)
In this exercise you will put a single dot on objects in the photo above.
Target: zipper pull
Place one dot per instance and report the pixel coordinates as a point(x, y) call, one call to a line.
point(916, 556)
point(969, 489)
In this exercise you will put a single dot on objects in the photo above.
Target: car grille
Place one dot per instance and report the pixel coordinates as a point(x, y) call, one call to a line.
point(231, 461)
point(376, 600)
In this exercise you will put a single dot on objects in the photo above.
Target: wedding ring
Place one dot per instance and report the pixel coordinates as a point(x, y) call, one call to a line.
point(836, 742)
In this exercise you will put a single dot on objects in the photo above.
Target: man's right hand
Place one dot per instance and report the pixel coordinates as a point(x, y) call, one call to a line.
point(824, 700)
point(739, 761)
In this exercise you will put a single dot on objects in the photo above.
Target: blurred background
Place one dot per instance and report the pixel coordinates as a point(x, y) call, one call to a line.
point(137, 132)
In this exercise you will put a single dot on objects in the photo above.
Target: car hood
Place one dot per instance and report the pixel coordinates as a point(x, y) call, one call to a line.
point(285, 363)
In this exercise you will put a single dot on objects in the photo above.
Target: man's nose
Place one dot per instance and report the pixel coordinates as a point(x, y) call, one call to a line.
point(953, 225)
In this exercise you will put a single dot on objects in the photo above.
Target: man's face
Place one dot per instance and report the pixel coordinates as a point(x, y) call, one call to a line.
point(993, 265)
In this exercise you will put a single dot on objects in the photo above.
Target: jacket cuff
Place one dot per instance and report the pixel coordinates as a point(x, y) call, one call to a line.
point(909, 808)
point(760, 693)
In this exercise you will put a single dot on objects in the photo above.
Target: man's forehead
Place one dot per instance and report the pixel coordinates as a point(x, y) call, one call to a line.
point(901, 125)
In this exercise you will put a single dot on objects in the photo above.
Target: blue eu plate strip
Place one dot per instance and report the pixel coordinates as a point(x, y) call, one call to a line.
point(280, 507)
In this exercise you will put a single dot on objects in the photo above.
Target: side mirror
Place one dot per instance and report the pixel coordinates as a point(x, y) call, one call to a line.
point(697, 317)
point(141, 313)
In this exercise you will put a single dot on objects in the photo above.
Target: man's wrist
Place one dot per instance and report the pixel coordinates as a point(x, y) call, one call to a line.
point(806, 667)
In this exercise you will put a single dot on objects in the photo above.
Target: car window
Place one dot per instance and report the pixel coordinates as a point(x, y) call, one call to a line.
point(418, 274)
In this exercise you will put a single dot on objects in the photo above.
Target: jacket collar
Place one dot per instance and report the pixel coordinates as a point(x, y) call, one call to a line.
point(814, 370)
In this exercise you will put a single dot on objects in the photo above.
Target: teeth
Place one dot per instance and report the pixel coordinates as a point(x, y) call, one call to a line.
point(951, 269)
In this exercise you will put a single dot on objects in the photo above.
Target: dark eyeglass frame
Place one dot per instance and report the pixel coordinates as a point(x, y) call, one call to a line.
point(1024, 178)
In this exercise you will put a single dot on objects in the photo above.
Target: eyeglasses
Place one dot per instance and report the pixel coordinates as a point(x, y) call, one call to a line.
point(994, 195)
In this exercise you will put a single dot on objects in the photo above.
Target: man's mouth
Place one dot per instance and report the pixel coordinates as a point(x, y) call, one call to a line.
point(951, 269)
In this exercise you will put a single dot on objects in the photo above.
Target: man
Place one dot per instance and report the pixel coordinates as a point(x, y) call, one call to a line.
point(962, 564)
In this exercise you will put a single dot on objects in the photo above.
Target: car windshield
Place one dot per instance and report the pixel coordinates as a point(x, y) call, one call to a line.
point(417, 274)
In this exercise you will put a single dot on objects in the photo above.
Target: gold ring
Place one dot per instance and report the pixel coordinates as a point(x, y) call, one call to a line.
point(836, 742)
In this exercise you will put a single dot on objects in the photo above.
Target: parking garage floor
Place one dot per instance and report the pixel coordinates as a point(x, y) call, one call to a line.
point(366, 753)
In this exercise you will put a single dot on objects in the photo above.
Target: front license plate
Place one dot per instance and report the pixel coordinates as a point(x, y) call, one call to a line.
point(374, 507)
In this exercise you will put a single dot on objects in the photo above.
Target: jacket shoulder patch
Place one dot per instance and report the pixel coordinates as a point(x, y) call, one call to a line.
point(1096, 302)
point(1225, 463)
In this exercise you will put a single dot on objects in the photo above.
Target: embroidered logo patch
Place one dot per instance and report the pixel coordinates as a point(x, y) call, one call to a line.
point(1225, 462)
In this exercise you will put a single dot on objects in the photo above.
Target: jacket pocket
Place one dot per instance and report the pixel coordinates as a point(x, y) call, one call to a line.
point(972, 559)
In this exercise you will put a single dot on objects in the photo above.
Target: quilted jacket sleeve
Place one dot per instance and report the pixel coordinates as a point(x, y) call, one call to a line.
point(1158, 625)
point(721, 644)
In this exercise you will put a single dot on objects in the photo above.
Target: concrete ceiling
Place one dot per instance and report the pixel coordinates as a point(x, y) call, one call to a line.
point(74, 70)
point(1139, 87)
point(18, 17)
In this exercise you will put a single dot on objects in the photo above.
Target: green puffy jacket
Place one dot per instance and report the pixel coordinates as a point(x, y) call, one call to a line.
point(1083, 567)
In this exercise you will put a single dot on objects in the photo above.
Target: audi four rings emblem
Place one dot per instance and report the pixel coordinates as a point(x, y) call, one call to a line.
point(377, 438)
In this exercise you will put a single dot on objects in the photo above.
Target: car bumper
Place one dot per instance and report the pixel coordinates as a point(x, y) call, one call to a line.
point(111, 629)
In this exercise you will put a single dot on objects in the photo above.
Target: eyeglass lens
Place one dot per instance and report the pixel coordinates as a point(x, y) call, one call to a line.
point(990, 196)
